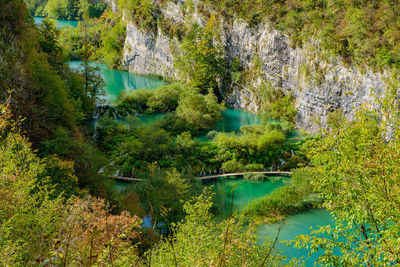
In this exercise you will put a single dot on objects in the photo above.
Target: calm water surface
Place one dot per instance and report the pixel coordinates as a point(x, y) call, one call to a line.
point(60, 23)
point(117, 80)
point(245, 191)
point(296, 225)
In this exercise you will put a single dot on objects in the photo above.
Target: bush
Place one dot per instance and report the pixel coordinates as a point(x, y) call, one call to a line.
point(211, 134)
point(232, 166)
point(199, 111)
point(254, 167)
point(165, 99)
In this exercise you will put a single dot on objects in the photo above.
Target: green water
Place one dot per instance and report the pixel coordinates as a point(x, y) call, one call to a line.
point(245, 192)
point(232, 120)
point(150, 118)
point(295, 225)
point(117, 80)
point(60, 23)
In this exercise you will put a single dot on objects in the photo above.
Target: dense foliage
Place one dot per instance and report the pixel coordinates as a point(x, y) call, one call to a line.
point(66, 9)
point(49, 100)
point(355, 170)
point(41, 223)
point(199, 59)
point(195, 110)
point(95, 39)
point(362, 32)
point(199, 239)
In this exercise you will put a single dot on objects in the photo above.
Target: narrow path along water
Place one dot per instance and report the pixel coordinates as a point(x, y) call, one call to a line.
point(60, 23)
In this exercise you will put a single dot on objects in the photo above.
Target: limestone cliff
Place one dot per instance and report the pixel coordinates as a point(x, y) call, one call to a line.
point(319, 84)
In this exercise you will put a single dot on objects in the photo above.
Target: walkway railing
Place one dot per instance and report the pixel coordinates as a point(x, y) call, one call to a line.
point(129, 179)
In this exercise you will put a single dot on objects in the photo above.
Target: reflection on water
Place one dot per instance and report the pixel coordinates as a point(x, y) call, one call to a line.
point(117, 80)
point(60, 23)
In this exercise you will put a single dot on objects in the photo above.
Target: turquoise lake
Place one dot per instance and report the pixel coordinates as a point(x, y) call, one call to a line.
point(60, 23)
point(245, 191)
point(293, 226)
point(117, 80)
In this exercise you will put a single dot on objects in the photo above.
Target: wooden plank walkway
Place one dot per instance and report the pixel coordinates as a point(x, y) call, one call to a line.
point(129, 179)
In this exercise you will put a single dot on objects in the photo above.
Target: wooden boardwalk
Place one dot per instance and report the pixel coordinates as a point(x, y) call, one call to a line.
point(129, 179)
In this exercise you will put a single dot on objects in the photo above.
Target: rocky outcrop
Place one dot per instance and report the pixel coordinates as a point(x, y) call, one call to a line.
point(319, 85)
point(146, 53)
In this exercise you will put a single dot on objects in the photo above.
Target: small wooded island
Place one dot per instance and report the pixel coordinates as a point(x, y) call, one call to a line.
point(199, 133)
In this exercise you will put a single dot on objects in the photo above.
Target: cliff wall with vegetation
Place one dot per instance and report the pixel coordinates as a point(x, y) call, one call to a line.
point(261, 63)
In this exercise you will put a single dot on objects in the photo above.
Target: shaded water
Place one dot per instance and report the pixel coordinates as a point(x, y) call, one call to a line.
point(117, 80)
point(60, 23)
point(233, 119)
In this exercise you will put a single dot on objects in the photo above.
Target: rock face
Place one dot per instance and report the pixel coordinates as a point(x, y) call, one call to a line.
point(146, 53)
point(318, 85)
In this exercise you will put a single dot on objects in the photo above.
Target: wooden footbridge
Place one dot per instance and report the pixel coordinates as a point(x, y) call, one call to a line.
point(129, 179)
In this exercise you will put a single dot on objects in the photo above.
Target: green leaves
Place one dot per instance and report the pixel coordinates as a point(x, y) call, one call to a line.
point(356, 174)
point(199, 60)
point(199, 240)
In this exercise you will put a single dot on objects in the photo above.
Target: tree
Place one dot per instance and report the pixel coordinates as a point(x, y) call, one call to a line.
point(199, 60)
point(169, 190)
point(355, 171)
point(200, 240)
point(38, 225)
point(200, 112)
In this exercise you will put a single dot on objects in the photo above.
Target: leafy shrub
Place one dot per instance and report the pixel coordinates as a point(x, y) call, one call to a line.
point(253, 167)
point(232, 166)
